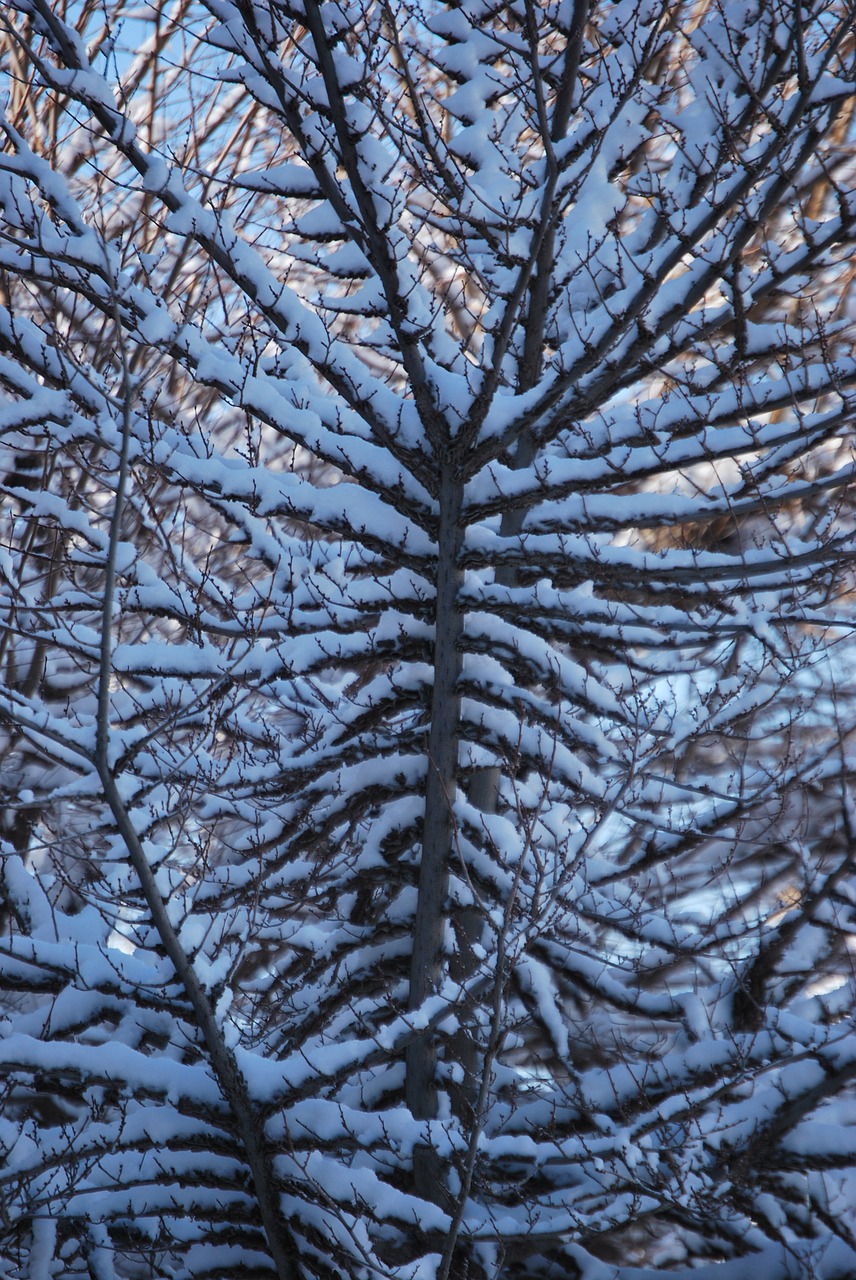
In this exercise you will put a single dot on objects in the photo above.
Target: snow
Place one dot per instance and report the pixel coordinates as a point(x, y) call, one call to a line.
point(331, 325)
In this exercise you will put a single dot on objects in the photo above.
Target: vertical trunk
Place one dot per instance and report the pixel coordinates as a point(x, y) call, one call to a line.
point(483, 789)
point(438, 832)
point(438, 836)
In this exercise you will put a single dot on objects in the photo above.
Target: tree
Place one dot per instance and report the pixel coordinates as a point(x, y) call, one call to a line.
point(428, 730)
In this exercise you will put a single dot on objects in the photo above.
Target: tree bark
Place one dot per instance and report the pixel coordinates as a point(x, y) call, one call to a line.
point(439, 827)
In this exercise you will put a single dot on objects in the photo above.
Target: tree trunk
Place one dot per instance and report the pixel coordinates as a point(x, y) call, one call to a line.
point(439, 828)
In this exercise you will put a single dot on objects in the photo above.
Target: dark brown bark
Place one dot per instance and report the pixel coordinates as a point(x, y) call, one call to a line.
point(439, 828)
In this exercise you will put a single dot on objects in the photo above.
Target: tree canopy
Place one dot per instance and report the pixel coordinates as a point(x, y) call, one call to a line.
point(426, 602)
